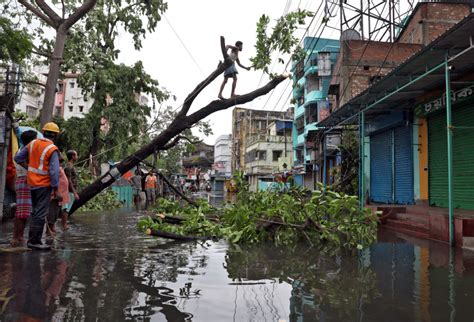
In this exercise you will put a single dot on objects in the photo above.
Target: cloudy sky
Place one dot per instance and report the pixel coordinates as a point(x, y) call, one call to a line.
point(185, 49)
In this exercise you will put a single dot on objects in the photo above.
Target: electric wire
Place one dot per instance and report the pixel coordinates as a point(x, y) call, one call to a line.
point(299, 43)
point(184, 45)
point(313, 46)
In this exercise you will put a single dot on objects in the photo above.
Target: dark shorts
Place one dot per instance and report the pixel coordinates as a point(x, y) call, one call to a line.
point(231, 71)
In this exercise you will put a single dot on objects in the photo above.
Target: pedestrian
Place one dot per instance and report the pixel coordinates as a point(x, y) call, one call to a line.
point(42, 161)
point(231, 71)
point(59, 201)
point(23, 195)
point(136, 183)
point(150, 188)
point(71, 175)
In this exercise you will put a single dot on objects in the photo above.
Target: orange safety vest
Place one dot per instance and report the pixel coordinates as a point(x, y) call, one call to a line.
point(151, 182)
point(39, 154)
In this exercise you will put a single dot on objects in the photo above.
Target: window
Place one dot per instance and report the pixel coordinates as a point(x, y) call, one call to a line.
point(276, 154)
point(81, 108)
point(262, 155)
point(72, 84)
point(71, 108)
point(57, 111)
point(60, 87)
point(313, 83)
point(31, 111)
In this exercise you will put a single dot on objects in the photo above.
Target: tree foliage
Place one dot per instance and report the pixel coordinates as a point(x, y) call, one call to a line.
point(281, 39)
point(16, 44)
point(324, 218)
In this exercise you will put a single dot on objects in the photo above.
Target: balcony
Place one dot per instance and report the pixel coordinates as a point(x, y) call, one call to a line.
point(299, 111)
point(268, 138)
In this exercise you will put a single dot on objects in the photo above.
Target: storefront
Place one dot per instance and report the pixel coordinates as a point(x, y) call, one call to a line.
point(463, 152)
point(391, 159)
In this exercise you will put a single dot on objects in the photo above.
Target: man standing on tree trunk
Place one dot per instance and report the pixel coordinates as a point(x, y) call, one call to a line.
point(41, 159)
point(231, 71)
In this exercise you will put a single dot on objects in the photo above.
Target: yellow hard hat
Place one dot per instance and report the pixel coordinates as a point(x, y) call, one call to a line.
point(51, 127)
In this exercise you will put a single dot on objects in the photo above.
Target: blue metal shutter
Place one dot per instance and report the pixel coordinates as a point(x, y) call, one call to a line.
point(381, 167)
point(403, 165)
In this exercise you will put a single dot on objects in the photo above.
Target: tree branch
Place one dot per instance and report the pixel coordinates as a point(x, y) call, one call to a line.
point(79, 13)
point(176, 141)
point(49, 12)
point(37, 12)
point(219, 70)
point(63, 9)
point(219, 105)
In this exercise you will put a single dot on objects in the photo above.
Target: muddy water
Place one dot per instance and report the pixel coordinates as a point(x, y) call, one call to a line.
point(103, 269)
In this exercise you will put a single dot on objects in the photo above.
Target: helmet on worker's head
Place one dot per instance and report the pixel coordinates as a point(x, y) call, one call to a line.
point(51, 127)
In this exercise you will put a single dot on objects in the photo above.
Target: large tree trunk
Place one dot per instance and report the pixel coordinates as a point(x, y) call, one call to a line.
point(45, 12)
point(170, 136)
point(53, 75)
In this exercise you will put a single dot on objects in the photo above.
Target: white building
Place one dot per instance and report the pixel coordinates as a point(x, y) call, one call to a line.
point(31, 95)
point(223, 155)
point(70, 101)
point(266, 154)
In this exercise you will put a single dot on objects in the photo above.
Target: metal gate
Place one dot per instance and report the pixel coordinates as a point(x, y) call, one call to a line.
point(381, 167)
point(463, 158)
point(391, 166)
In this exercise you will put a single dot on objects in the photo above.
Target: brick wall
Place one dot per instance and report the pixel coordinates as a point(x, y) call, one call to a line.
point(363, 61)
point(430, 20)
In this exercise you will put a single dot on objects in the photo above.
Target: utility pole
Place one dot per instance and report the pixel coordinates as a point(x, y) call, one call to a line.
point(7, 106)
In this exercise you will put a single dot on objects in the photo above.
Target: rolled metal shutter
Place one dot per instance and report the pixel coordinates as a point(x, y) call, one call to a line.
point(381, 167)
point(463, 158)
point(403, 165)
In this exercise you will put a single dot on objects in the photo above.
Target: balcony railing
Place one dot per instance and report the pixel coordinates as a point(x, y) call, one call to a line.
point(268, 138)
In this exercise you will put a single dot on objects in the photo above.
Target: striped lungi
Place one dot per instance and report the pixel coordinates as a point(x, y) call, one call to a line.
point(23, 198)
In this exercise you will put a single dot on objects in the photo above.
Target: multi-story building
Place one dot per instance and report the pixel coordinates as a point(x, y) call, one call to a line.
point(269, 153)
point(415, 147)
point(31, 94)
point(223, 155)
point(311, 80)
point(247, 123)
point(198, 161)
point(70, 100)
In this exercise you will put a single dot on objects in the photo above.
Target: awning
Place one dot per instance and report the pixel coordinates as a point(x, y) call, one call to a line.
point(398, 91)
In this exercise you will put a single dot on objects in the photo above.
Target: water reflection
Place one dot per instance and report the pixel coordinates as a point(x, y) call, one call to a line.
point(103, 269)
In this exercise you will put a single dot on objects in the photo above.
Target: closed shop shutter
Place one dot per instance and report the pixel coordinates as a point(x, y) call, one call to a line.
point(403, 165)
point(381, 167)
point(463, 158)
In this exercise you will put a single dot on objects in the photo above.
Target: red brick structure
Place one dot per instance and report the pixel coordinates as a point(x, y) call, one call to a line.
point(361, 63)
point(430, 20)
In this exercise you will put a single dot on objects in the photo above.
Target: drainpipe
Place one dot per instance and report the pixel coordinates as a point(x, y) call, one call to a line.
point(362, 160)
point(449, 133)
point(392, 145)
point(324, 163)
point(359, 173)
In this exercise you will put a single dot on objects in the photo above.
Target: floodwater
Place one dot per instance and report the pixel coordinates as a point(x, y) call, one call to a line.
point(103, 269)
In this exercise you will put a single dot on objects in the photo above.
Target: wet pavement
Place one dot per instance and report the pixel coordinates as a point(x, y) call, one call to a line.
point(104, 269)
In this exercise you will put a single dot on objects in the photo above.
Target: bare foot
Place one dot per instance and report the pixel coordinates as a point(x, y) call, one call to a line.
point(65, 227)
point(221, 97)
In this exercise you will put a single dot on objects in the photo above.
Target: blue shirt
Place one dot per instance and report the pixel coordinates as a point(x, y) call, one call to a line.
point(22, 156)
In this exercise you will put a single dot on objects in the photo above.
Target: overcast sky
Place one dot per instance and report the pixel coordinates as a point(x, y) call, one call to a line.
point(199, 24)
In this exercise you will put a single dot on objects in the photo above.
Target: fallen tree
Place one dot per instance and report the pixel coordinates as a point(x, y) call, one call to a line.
point(321, 218)
point(171, 135)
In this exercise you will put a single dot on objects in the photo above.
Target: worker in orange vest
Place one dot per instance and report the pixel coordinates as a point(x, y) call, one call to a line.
point(41, 158)
point(150, 188)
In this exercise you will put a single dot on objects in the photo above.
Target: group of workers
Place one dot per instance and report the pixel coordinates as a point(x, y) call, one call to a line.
point(45, 190)
point(151, 188)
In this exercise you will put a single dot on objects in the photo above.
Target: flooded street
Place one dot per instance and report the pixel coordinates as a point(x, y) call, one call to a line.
point(104, 269)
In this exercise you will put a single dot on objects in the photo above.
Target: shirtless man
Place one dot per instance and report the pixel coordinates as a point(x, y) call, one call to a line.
point(231, 71)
